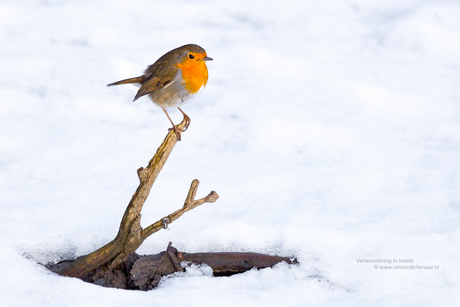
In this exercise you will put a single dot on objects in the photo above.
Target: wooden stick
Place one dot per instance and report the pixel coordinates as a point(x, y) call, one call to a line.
point(130, 234)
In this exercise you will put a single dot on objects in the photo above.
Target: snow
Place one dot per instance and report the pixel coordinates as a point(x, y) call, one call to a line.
point(330, 130)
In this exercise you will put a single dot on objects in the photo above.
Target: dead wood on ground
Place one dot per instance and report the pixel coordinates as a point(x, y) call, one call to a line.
point(117, 265)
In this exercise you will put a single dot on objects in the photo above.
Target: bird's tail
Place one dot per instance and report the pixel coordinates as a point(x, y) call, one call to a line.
point(128, 81)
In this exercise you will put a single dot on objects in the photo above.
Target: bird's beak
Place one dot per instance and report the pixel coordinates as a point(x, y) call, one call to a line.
point(207, 58)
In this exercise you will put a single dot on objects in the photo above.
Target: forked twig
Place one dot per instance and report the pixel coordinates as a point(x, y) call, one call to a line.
point(130, 234)
point(190, 203)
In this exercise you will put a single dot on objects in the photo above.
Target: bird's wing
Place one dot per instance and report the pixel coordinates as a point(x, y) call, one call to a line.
point(151, 84)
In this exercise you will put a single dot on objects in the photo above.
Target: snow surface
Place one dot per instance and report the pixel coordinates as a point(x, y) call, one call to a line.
point(330, 130)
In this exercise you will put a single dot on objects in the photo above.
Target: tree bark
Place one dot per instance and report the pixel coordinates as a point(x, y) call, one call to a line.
point(146, 272)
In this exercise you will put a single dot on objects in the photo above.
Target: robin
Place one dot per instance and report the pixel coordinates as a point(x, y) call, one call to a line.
point(173, 79)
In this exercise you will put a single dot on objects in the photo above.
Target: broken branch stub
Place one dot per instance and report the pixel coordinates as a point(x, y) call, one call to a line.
point(147, 271)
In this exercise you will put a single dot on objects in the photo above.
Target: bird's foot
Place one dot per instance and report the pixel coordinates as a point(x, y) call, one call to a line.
point(188, 120)
point(177, 131)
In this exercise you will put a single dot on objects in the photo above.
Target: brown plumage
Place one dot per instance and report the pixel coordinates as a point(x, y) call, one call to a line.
point(173, 79)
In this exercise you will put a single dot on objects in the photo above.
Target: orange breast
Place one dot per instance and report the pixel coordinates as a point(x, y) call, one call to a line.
point(195, 75)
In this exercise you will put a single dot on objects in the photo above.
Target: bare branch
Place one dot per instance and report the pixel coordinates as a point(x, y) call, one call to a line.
point(129, 236)
point(190, 203)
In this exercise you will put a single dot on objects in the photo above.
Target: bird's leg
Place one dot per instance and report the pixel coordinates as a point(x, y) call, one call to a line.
point(188, 120)
point(176, 130)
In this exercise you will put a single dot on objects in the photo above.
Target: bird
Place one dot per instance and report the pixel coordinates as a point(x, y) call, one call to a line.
point(173, 79)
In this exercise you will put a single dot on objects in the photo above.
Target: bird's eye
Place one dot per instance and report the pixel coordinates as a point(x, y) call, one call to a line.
point(191, 56)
